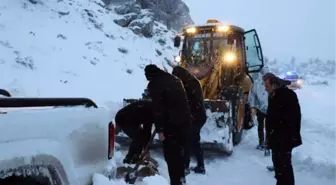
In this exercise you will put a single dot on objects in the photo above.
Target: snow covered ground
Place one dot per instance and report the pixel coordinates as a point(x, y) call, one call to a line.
point(313, 162)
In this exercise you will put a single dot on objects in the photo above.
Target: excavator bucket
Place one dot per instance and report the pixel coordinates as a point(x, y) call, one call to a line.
point(216, 133)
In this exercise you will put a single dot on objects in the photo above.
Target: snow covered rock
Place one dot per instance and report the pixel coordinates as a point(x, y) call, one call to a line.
point(126, 19)
point(144, 25)
point(141, 22)
point(173, 13)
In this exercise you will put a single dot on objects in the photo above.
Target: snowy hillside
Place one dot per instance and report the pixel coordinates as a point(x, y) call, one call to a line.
point(74, 48)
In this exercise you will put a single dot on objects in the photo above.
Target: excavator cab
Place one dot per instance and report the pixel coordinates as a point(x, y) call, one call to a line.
point(222, 57)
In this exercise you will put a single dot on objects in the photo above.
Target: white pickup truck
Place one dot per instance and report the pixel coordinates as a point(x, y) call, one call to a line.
point(53, 141)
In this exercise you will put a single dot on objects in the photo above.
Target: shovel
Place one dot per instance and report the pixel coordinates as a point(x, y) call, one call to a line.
point(133, 173)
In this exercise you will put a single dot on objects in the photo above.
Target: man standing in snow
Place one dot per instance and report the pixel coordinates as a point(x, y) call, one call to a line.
point(172, 118)
point(283, 125)
point(258, 100)
point(196, 104)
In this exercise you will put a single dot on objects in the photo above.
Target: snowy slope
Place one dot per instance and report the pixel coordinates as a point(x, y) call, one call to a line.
point(73, 48)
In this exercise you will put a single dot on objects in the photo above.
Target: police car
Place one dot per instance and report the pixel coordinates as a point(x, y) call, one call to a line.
point(296, 82)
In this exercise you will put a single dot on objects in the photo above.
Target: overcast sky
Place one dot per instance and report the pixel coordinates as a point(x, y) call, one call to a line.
point(301, 28)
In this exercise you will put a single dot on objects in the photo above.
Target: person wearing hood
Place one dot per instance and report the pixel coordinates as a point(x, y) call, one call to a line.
point(172, 118)
point(258, 101)
point(196, 104)
point(283, 123)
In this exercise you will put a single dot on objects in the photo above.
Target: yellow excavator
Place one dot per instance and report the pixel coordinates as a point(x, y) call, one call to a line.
point(222, 57)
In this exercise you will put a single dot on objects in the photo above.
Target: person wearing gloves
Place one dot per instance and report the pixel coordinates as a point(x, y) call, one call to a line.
point(258, 101)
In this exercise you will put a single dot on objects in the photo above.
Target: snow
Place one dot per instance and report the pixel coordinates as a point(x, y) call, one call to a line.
point(313, 162)
point(73, 53)
point(73, 48)
point(212, 133)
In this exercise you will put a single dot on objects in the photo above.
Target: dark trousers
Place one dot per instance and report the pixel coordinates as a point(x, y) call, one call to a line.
point(248, 124)
point(193, 145)
point(140, 136)
point(261, 126)
point(173, 150)
point(282, 161)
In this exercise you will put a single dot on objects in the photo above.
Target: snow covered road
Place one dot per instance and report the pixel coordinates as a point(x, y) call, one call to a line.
point(313, 162)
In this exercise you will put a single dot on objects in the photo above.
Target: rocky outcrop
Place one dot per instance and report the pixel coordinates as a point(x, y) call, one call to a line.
point(173, 13)
point(139, 15)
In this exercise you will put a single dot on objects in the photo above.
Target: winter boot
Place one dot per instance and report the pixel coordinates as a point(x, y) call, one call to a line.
point(270, 168)
point(260, 147)
point(131, 159)
point(133, 153)
point(199, 169)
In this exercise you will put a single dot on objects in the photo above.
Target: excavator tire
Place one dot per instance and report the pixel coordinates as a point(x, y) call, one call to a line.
point(236, 95)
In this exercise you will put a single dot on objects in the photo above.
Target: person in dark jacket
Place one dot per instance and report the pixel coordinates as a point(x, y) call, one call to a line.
point(196, 104)
point(283, 123)
point(136, 120)
point(172, 118)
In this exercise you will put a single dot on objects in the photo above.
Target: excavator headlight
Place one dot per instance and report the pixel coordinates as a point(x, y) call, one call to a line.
point(223, 28)
point(230, 57)
point(191, 30)
point(177, 59)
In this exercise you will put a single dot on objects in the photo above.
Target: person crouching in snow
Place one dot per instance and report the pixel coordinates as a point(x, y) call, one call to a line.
point(283, 123)
point(172, 118)
point(258, 101)
point(196, 104)
point(136, 120)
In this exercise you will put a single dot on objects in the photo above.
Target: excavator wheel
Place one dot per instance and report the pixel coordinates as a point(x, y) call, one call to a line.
point(236, 95)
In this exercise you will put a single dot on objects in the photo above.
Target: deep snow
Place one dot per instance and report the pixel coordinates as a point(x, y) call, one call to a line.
point(47, 52)
point(313, 162)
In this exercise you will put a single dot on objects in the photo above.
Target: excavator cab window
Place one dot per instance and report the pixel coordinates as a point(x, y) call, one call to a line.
point(197, 49)
point(254, 55)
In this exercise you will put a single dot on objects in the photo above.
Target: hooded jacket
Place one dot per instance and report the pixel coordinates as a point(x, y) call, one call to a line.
point(169, 101)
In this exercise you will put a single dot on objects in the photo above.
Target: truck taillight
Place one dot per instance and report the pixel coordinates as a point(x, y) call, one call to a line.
point(111, 137)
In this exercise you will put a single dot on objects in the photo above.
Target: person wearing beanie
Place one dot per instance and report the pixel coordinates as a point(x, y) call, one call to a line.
point(172, 118)
point(283, 123)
